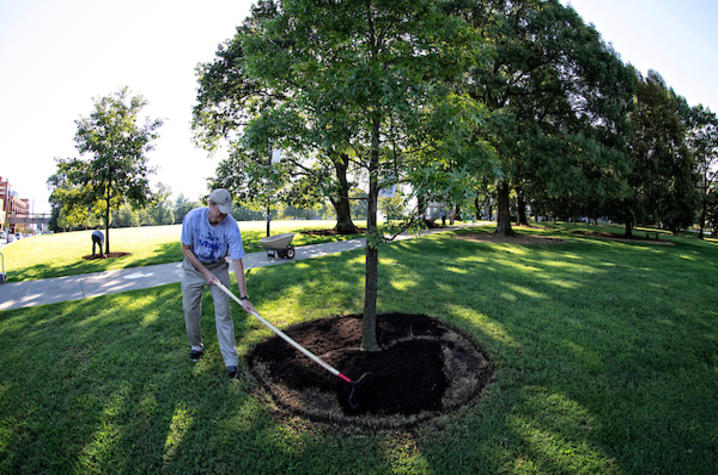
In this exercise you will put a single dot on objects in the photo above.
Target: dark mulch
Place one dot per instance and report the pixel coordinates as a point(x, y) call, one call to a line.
point(423, 370)
point(329, 232)
point(109, 255)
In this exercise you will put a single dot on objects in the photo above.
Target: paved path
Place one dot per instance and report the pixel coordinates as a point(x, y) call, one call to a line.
point(61, 289)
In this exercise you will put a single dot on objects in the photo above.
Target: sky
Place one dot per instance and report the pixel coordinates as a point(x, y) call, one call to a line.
point(56, 56)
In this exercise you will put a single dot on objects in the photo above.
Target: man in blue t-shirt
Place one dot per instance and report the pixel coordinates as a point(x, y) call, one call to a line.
point(208, 235)
point(97, 239)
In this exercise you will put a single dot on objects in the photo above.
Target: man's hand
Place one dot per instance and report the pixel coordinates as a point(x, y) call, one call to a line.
point(210, 278)
point(247, 306)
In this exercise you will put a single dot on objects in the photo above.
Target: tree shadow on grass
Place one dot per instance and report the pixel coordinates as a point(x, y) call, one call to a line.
point(580, 333)
point(587, 339)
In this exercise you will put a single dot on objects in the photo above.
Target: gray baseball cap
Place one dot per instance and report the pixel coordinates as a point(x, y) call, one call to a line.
point(222, 199)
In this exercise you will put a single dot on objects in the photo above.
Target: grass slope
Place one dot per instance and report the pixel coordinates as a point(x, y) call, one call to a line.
point(61, 254)
point(605, 353)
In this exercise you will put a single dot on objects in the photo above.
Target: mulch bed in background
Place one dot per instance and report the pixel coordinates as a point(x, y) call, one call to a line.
point(636, 237)
point(109, 255)
point(517, 239)
point(329, 232)
point(424, 369)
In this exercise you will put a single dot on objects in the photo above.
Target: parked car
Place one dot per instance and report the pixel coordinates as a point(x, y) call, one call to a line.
point(18, 236)
point(10, 238)
point(3, 235)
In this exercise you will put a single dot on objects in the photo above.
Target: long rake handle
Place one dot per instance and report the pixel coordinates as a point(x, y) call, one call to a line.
point(279, 332)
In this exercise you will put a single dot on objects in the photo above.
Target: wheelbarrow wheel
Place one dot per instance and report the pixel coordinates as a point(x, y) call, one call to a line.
point(290, 252)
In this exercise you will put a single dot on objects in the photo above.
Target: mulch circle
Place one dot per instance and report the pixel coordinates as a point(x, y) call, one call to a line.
point(424, 369)
point(109, 255)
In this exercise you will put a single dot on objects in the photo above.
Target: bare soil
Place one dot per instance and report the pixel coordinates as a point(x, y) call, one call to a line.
point(424, 369)
point(109, 255)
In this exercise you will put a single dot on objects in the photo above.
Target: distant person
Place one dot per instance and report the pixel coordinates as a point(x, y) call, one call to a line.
point(97, 240)
point(208, 236)
point(443, 218)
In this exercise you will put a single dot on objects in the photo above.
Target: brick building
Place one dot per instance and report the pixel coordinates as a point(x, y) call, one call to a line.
point(12, 205)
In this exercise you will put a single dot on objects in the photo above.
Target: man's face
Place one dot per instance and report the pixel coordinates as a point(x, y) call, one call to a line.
point(215, 217)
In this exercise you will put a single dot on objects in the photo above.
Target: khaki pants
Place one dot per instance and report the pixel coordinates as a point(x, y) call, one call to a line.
point(193, 283)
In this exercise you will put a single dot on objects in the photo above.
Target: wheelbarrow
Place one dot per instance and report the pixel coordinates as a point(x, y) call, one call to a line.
point(3, 275)
point(279, 245)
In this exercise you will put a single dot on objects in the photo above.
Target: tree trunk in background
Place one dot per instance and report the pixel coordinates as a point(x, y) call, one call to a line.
point(503, 221)
point(521, 205)
point(344, 225)
point(629, 229)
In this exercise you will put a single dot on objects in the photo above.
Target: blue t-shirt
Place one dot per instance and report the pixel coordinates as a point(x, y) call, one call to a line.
point(211, 243)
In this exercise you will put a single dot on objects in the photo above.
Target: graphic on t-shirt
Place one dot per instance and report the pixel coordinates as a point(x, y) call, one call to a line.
point(208, 247)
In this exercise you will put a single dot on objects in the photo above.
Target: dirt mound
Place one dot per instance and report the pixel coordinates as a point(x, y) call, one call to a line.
point(423, 370)
point(109, 255)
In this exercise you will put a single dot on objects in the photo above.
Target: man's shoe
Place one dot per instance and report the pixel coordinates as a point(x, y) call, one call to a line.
point(194, 355)
point(232, 372)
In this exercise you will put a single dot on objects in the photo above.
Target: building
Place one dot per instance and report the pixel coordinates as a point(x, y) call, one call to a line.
point(12, 205)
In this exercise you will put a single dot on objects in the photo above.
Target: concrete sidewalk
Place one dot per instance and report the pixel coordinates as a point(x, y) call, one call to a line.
point(61, 289)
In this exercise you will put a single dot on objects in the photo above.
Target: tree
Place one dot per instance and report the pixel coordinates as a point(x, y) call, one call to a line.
point(703, 144)
point(365, 79)
point(662, 177)
point(184, 205)
point(116, 170)
point(229, 95)
point(160, 211)
point(549, 82)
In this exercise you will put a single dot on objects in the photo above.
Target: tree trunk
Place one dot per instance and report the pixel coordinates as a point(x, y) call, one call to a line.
point(702, 219)
point(369, 342)
point(345, 225)
point(629, 229)
point(503, 221)
point(107, 225)
point(521, 205)
point(477, 209)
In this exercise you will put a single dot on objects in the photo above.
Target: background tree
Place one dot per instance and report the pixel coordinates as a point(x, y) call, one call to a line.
point(229, 95)
point(161, 212)
point(184, 205)
point(662, 177)
point(116, 170)
point(550, 84)
point(703, 144)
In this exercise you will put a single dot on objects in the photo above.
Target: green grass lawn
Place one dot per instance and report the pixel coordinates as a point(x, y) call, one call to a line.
point(605, 355)
point(61, 254)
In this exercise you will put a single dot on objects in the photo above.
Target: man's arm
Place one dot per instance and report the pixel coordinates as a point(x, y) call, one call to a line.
point(208, 276)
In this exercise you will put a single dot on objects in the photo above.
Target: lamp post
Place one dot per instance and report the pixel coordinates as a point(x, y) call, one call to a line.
point(274, 157)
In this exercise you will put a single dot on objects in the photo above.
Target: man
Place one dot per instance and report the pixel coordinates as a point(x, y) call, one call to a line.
point(208, 235)
point(97, 239)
